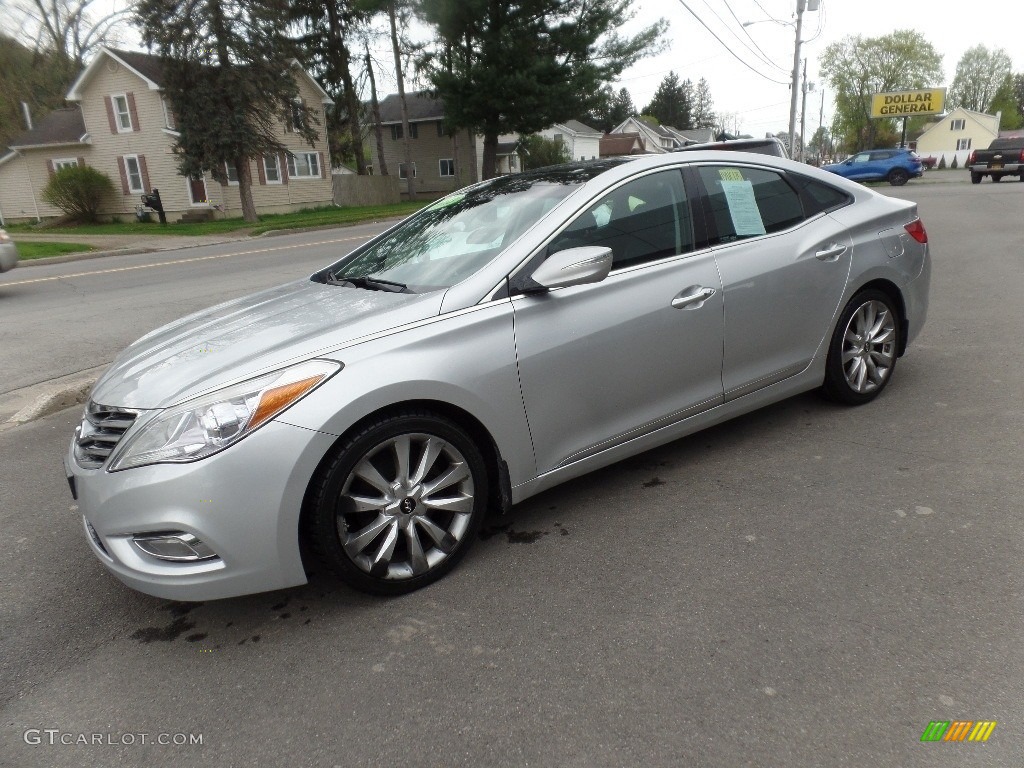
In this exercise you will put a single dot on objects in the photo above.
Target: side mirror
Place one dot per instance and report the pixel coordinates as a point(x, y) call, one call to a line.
point(573, 266)
point(849, 162)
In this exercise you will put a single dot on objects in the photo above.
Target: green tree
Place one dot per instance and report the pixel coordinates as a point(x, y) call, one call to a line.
point(538, 152)
point(856, 68)
point(703, 106)
point(518, 68)
point(38, 79)
point(673, 102)
point(1005, 102)
point(228, 74)
point(78, 191)
point(327, 31)
point(612, 108)
point(980, 74)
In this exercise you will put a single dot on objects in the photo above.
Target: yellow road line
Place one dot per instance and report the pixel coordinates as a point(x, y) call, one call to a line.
point(183, 261)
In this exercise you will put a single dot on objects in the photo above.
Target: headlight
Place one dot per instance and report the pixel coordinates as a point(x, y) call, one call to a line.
point(204, 425)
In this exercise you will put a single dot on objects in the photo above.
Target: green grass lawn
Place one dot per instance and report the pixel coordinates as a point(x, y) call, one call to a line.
point(28, 251)
point(310, 218)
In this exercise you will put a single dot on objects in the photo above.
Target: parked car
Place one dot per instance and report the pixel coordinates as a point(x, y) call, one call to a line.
point(768, 146)
point(509, 337)
point(896, 166)
point(1004, 157)
point(8, 252)
point(929, 162)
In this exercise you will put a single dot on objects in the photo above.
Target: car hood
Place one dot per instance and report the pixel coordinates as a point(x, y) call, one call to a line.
point(251, 335)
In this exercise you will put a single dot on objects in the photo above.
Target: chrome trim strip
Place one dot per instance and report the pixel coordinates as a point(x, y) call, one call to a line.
point(765, 381)
point(641, 431)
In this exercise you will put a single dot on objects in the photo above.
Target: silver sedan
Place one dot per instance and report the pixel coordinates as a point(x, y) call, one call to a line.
point(509, 337)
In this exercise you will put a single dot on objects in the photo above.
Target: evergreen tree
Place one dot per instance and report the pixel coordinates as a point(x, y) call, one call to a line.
point(622, 108)
point(673, 102)
point(518, 68)
point(703, 107)
point(228, 75)
point(327, 31)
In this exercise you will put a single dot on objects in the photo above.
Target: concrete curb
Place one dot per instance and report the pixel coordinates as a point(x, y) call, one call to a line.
point(83, 256)
point(39, 400)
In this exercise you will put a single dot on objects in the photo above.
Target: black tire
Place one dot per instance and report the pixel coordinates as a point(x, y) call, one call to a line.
point(997, 177)
point(898, 177)
point(333, 514)
point(841, 378)
point(975, 178)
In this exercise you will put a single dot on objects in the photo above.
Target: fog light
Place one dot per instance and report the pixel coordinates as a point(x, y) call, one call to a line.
point(174, 545)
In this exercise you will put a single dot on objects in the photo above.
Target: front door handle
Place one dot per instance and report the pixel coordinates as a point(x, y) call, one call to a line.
point(693, 300)
point(832, 253)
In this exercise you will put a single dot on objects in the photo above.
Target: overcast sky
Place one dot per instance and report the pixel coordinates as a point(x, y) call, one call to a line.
point(757, 91)
point(762, 105)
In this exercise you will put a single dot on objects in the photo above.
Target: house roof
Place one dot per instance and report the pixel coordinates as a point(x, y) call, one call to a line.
point(577, 127)
point(615, 144)
point(145, 64)
point(421, 106)
point(62, 126)
point(506, 148)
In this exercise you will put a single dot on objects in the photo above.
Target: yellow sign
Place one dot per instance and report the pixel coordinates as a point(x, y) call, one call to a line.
point(931, 101)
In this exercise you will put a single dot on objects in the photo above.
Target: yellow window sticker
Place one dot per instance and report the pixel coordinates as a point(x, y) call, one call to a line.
point(730, 174)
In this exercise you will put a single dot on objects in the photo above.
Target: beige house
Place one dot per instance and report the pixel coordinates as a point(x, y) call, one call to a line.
point(122, 125)
point(957, 134)
point(442, 163)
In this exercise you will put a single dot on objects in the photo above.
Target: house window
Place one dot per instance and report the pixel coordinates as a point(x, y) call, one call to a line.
point(963, 144)
point(272, 169)
point(396, 132)
point(559, 139)
point(957, 125)
point(121, 113)
point(298, 116)
point(304, 165)
point(168, 115)
point(65, 162)
point(414, 131)
point(133, 172)
point(447, 167)
point(232, 173)
point(401, 171)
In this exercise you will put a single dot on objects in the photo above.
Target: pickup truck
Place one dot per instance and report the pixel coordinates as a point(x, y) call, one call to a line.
point(1004, 157)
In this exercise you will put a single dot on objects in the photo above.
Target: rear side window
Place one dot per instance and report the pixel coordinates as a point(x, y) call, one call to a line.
point(747, 202)
point(817, 196)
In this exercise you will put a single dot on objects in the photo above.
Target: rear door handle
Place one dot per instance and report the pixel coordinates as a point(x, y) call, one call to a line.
point(832, 253)
point(694, 300)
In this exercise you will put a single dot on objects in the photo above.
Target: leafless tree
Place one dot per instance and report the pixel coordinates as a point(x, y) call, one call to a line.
point(71, 29)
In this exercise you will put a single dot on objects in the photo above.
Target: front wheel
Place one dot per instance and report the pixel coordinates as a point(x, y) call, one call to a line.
point(976, 178)
point(400, 504)
point(898, 177)
point(863, 350)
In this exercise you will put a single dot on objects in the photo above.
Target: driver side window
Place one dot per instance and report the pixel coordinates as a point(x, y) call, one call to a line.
point(641, 221)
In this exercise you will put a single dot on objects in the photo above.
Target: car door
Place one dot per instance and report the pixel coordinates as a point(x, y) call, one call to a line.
point(783, 273)
point(603, 363)
point(860, 167)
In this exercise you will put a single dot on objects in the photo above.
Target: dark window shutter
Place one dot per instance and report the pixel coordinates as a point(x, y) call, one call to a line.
point(49, 168)
point(323, 166)
point(110, 114)
point(145, 173)
point(261, 170)
point(283, 159)
point(132, 111)
point(124, 175)
point(81, 162)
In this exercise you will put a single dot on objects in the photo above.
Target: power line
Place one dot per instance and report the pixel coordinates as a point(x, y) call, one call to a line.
point(764, 56)
point(731, 52)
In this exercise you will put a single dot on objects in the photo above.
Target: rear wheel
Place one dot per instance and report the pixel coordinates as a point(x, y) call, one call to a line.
point(862, 354)
point(400, 504)
point(898, 177)
point(976, 178)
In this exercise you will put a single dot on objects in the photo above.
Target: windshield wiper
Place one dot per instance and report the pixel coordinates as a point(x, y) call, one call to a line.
point(370, 283)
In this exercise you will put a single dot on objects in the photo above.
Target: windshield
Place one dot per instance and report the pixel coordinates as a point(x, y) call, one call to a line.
point(451, 239)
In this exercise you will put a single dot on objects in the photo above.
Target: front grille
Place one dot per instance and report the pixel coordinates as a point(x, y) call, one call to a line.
point(100, 432)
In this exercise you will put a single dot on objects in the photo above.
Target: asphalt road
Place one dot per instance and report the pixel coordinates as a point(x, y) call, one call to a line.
point(809, 585)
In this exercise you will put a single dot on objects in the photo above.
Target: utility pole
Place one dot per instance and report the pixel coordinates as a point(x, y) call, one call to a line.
point(821, 123)
point(794, 86)
point(803, 116)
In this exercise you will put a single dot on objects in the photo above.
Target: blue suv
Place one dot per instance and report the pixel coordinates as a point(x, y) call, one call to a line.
point(893, 165)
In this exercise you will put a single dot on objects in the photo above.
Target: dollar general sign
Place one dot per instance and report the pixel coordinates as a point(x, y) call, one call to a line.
point(931, 101)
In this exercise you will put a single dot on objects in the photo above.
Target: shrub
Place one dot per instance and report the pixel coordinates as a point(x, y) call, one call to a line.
point(78, 191)
point(537, 152)
point(942, 163)
point(954, 164)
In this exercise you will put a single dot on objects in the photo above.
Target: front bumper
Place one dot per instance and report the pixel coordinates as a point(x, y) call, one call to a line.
point(243, 503)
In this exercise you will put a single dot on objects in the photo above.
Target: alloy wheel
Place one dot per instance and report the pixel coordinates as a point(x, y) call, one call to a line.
point(869, 347)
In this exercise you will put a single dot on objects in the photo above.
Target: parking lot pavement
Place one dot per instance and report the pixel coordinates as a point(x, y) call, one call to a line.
point(809, 585)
